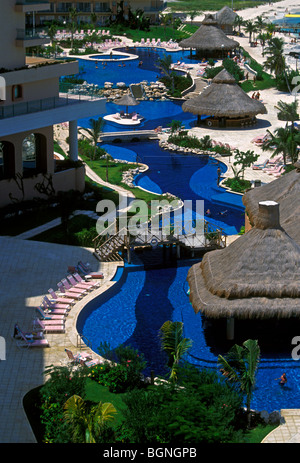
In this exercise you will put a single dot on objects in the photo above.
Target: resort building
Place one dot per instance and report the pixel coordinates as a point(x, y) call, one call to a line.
point(31, 104)
point(104, 10)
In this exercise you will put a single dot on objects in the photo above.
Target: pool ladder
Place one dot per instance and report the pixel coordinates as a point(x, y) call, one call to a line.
point(83, 341)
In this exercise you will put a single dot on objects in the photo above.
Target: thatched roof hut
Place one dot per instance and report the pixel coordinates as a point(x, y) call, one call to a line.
point(286, 191)
point(255, 277)
point(224, 98)
point(225, 19)
point(209, 39)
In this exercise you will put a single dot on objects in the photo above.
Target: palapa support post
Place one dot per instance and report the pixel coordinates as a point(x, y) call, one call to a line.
point(230, 328)
point(178, 251)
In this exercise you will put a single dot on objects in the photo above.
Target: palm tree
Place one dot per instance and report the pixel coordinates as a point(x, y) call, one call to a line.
point(239, 21)
point(288, 112)
point(73, 13)
point(87, 424)
point(95, 130)
point(260, 23)
point(51, 33)
point(164, 64)
point(174, 344)
point(283, 142)
point(94, 19)
point(239, 368)
point(275, 58)
point(250, 27)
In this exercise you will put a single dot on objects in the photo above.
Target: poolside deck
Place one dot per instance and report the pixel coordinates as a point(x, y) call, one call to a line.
point(27, 270)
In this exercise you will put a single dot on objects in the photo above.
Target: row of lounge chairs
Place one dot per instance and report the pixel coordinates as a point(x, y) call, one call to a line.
point(156, 43)
point(271, 166)
point(55, 306)
point(79, 35)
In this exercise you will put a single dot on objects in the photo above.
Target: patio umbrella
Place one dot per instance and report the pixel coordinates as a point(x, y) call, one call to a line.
point(127, 100)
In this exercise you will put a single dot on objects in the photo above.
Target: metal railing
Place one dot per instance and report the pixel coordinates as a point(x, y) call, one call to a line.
point(65, 98)
point(25, 34)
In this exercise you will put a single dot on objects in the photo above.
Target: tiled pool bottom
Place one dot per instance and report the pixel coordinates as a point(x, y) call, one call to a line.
point(132, 312)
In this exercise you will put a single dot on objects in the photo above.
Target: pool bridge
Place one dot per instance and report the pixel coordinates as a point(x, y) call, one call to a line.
point(111, 245)
point(128, 135)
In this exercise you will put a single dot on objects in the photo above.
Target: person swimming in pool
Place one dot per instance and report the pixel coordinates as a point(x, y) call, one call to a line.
point(208, 213)
point(223, 212)
point(283, 379)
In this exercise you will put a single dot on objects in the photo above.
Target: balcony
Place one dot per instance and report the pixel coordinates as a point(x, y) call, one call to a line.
point(73, 102)
point(26, 6)
point(30, 38)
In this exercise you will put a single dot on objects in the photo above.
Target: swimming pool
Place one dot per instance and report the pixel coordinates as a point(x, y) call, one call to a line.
point(134, 309)
point(185, 176)
point(128, 71)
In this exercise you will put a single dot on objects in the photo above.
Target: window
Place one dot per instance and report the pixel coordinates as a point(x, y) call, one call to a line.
point(17, 92)
point(84, 7)
point(101, 7)
point(29, 156)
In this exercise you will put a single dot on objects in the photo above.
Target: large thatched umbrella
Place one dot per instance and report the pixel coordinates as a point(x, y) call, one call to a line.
point(224, 98)
point(255, 277)
point(209, 39)
point(127, 100)
point(286, 191)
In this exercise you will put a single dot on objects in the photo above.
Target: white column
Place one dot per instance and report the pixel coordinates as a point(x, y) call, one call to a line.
point(73, 140)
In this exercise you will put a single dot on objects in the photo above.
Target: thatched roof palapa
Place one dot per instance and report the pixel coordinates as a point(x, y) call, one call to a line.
point(286, 191)
point(224, 98)
point(209, 38)
point(127, 100)
point(256, 276)
point(226, 16)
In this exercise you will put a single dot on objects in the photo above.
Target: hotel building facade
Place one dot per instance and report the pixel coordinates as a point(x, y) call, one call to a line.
point(104, 10)
point(30, 105)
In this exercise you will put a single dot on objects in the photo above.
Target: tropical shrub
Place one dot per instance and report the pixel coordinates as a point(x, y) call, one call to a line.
point(122, 371)
point(204, 410)
point(63, 383)
point(238, 185)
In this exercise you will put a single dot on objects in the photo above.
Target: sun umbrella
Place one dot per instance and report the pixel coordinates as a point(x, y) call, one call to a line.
point(127, 100)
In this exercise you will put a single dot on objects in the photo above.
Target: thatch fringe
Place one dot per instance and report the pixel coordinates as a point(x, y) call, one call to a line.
point(224, 98)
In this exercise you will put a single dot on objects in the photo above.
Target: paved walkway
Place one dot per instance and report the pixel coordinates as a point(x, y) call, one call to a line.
point(27, 270)
point(288, 432)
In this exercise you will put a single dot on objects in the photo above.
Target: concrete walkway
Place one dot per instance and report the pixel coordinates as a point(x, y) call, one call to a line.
point(288, 432)
point(27, 270)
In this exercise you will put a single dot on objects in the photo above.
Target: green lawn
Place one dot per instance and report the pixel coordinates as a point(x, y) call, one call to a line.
point(98, 393)
point(195, 5)
point(256, 435)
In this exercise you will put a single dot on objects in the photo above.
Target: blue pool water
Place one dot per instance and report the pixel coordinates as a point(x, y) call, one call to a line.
point(105, 57)
point(128, 72)
point(188, 177)
point(154, 113)
point(132, 312)
point(134, 309)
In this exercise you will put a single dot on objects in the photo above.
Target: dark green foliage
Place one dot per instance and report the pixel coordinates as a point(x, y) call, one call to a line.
point(181, 83)
point(63, 382)
point(204, 410)
point(237, 184)
point(122, 371)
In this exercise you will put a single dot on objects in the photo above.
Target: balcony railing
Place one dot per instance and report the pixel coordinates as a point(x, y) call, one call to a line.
point(32, 2)
point(69, 94)
point(28, 34)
